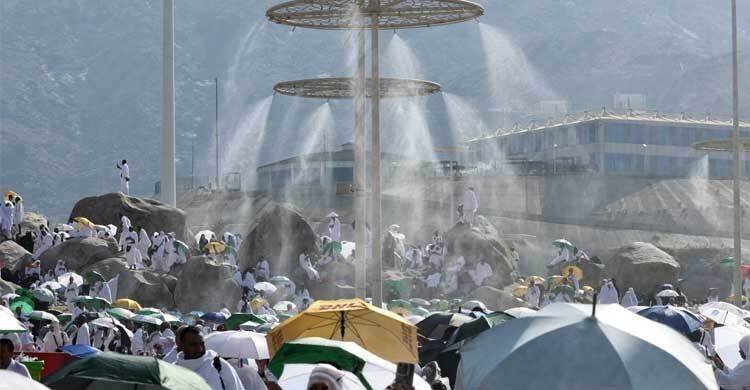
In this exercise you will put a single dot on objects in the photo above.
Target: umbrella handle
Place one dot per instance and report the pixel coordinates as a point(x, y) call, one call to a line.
point(593, 306)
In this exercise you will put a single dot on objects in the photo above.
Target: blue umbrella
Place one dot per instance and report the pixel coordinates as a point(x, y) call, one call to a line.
point(215, 317)
point(80, 351)
point(676, 318)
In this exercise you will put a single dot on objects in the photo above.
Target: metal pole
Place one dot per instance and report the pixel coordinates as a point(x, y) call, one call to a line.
point(737, 168)
point(377, 258)
point(360, 215)
point(168, 170)
point(216, 126)
point(192, 163)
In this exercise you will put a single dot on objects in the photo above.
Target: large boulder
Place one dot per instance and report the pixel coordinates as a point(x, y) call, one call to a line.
point(78, 253)
point(150, 214)
point(280, 234)
point(32, 221)
point(642, 266)
point(481, 241)
point(109, 268)
point(13, 256)
point(147, 288)
point(496, 299)
point(206, 286)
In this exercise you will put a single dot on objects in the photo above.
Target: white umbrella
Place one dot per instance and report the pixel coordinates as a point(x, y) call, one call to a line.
point(9, 323)
point(10, 296)
point(726, 343)
point(414, 319)
point(207, 233)
point(249, 325)
point(146, 319)
point(103, 322)
point(64, 227)
point(419, 302)
point(266, 287)
point(739, 312)
point(11, 380)
point(623, 351)
point(721, 316)
point(238, 344)
point(296, 376)
point(347, 248)
point(668, 294)
point(636, 309)
point(44, 295)
point(168, 317)
point(283, 306)
point(520, 312)
point(42, 315)
point(52, 285)
point(64, 279)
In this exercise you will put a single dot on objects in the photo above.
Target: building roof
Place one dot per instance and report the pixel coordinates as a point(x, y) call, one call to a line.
point(340, 155)
point(634, 116)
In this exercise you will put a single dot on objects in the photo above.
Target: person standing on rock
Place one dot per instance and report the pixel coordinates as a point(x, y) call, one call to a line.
point(6, 218)
point(124, 177)
point(45, 243)
point(18, 214)
point(71, 293)
point(144, 242)
point(471, 204)
point(159, 249)
point(132, 254)
point(334, 227)
point(629, 299)
point(124, 230)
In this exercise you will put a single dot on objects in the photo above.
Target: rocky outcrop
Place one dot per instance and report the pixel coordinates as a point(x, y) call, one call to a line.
point(13, 256)
point(206, 286)
point(280, 234)
point(152, 215)
point(32, 221)
point(481, 241)
point(642, 266)
point(496, 299)
point(7, 287)
point(109, 268)
point(147, 288)
point(78, 253)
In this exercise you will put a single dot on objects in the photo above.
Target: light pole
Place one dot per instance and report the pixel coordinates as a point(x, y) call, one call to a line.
point(736, 170)
point(216, 128)
point(554, 159)
point(645, 155)
point(192, 137)
point(168, 169)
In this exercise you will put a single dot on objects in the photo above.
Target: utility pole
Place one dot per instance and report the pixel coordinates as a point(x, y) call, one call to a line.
point(168, 170)
point(737, 168)
point(216, 127)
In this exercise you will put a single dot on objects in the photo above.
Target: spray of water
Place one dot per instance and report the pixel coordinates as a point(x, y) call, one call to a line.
point(242, 152)
point(465, 121)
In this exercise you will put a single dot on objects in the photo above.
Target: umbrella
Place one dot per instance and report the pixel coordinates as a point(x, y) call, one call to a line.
point(562, 243)
point(129, 304)
point(81, 222)
point(7, 194)
point(42, 316)
point(721, 316)
point(576, 271)
point(215, 317)
point(419, 302)
point(420, 311)
point(332, 214)
point(536, 279)
point(146, 319)
point(520, 291)
point(296, 376)
point(64, 227)
point(236, 319)
point(95, 303)
point(414, 319)
point(64, 279)
point(65, 318)
point(207, 233)
point(120, 313)
point(52, 285)
point(726, 343)
point(399, 303)
point(8, 297)
point(167, 317)
point(435, 325)
point(520, 312)
point(373, 372)
point(104, 322)
point(623, 351)
point(473, 328)
point(279, 280)
point(636, 309)
point(25, 304)
point(148, 311)
point(266, 287)
point(268, 318)
point(93, 277)
point(554, 279)
point(9, 323)
point(181, 248)
point(283, 306)
point(238, 344)
point(215, 247)
point(11, 380)
point(383, 333)
point(44, 295)
point(587, 288)
point(470, 305)
point(115, 369)
point(334, 246)
point(674, 317)
point(742, 313)
point(668, 294)
point(347, 248)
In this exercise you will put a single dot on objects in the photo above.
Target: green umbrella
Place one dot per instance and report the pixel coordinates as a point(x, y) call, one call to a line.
point(332, 244)
point(181, 248)
point(92, 303)
point(146, 319)
point(24, 293)
point(234, 321)
point(25, 303)
point(279, 280)
point(116, 369)
point(171, 318)
point(120, 313)
point(92, 277)
point(565, 289)
point(562, 243)
point(65, 318)
point(148, 311)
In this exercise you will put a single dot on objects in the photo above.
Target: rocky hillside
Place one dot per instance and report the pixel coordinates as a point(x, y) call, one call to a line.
point(80, 79)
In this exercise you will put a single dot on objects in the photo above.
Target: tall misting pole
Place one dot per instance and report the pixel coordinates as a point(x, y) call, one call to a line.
point(216, 128)
point(360, 215)
point(377, 258)
point(168, 170)
point(737, 168)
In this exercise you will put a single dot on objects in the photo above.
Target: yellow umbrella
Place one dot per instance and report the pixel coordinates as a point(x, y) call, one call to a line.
point(379, 331)
point(554, 280)
point(587, 288)
point(520, 291)
point(81, 221)
point(403, 312)
point(10, 193)
point(576, 271)
point(536, 279)
point(215, 247)
point(128, 304)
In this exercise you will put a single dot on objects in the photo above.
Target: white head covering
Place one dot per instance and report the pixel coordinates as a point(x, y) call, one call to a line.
point(326, 374)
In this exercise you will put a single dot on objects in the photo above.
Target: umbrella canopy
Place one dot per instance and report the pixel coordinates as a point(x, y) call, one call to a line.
point(576, 271)
point(207, 233)
point(419, 302)
point(11, 380)
point(384, 333)
point(89, 302)
point(9, 323)
point(721, 316)
point(520, 291)
point(266, 287)
point(120, 313)
point(296, 376)
point(562, 243)
point(414, 319)
point(554, 280)
point(284, 306)
point(334, 246)
point(676, 318)
point(520, 312)
point(739, 312)
point(52, 285)
point(44, 295)
point(236, 319)
point(435, 325)
point(215, 317)
point(64, 227)
point(83, 222)
point(473, 328)
point(182, 248)
point(636, 309)
point(9, 296)
point(668, 294)
point(215, 247)
point(128, 304)
point(148, 311)
point(65, 278)
point(623, 351)
point(115, 368)
point(146, 319)
point(167, 317)
point(93, 277)
point(279, 280)
point(372, 371)
point(238, 344)
point(42, 316)
point(25, 304)
point(726, 343)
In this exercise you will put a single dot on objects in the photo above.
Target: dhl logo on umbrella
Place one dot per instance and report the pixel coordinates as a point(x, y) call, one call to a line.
point(340, 306)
